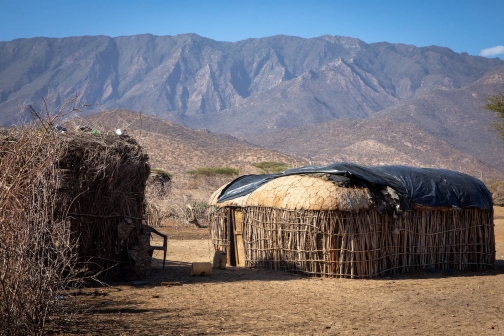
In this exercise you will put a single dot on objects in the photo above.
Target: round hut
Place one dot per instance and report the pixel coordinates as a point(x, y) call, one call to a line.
point(345, 220)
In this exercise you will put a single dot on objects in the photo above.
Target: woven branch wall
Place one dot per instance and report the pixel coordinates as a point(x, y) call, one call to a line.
point(362, 244)
point(98, 182)
point(217, 222)
point(103, 190)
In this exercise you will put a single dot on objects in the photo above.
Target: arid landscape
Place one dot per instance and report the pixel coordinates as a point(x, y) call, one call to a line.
point(324, 99)
point(179, 149)
point(110, 140)
point(243, 301)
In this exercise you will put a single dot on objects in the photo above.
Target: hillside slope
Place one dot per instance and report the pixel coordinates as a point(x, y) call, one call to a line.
point(444, 128)
point(375, 142)
point(456, 116)
point(179, 149)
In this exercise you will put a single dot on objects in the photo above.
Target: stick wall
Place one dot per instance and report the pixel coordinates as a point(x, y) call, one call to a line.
point(365, 243)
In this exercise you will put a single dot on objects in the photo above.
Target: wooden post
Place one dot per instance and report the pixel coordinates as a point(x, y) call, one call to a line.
point(230, 228)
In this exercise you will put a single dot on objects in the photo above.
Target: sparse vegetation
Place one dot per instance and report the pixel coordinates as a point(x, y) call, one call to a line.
point(161, 172)
point(196, 212)
point(496, 104)
point(214, 171)
point(497, 190)
point(271, 167)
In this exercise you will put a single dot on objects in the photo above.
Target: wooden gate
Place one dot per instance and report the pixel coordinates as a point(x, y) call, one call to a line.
point(236, 253)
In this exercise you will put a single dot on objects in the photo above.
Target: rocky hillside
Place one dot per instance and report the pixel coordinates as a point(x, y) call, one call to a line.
point(329, 98)
point(445, 128)
point(178, 149)
point(246, 87)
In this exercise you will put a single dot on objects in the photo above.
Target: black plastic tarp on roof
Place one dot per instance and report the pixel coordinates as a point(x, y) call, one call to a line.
point(427, 186)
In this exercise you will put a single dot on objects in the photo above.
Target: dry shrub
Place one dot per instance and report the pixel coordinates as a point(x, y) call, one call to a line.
point(37, 255)
point(187, 200)
point(157, 201)
point(214, 171)
point(194, 205)
point(72, 206)
point(270, 167)
point(497, 190)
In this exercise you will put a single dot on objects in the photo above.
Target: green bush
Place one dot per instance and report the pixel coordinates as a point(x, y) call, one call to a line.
point(270, 167)
point(161, 172)
point(214, 171)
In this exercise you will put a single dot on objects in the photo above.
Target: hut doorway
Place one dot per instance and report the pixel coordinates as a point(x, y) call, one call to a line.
point(236, 253)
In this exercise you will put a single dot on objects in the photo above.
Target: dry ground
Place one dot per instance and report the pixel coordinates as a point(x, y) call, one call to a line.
point(261, 302)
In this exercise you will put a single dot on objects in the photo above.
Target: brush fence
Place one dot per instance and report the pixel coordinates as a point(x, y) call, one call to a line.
point(354, 244)
point(97, 189)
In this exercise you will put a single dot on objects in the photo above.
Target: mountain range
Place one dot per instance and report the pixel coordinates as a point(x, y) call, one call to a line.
point(327, 99)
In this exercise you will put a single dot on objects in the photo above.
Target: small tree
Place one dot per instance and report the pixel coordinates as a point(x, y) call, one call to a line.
point(214, 171)
point(496, 104)
point(271, 167)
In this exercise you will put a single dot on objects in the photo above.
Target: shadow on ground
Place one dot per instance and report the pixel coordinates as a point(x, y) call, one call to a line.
point(181, 272)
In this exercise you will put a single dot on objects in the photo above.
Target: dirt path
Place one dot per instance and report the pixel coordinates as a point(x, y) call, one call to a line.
point(260, 302)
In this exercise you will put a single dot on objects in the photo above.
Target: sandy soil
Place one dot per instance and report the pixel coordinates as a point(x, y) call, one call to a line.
point(241, 301)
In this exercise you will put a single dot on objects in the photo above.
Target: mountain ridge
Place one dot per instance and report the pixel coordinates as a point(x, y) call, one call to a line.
point(186, 77)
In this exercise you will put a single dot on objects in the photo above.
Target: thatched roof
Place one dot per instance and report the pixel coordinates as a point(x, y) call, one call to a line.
point(304, 192)
point(394, 188)
point(235, 202)
point(301, 192)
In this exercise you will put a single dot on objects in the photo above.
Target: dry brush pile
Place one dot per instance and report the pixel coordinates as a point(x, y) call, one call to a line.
point(36, 253)
point(72, 206)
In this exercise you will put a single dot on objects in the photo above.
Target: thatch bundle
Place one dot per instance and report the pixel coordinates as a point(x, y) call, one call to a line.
point(101, 180)
point(315, 225)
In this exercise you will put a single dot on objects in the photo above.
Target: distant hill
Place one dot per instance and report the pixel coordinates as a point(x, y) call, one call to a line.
point(246, 87)
point(456, 116)
point(179, 149)
point(374, 142)
point(445, 128)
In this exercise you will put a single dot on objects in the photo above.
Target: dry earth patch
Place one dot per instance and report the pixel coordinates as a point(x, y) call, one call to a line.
point(242, 301)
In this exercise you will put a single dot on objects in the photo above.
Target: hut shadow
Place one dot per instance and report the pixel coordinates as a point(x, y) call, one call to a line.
point(439, 274)
point(176, 271)
point(180, 272)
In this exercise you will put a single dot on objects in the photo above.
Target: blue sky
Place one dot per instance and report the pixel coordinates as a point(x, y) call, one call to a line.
point(471, 26)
